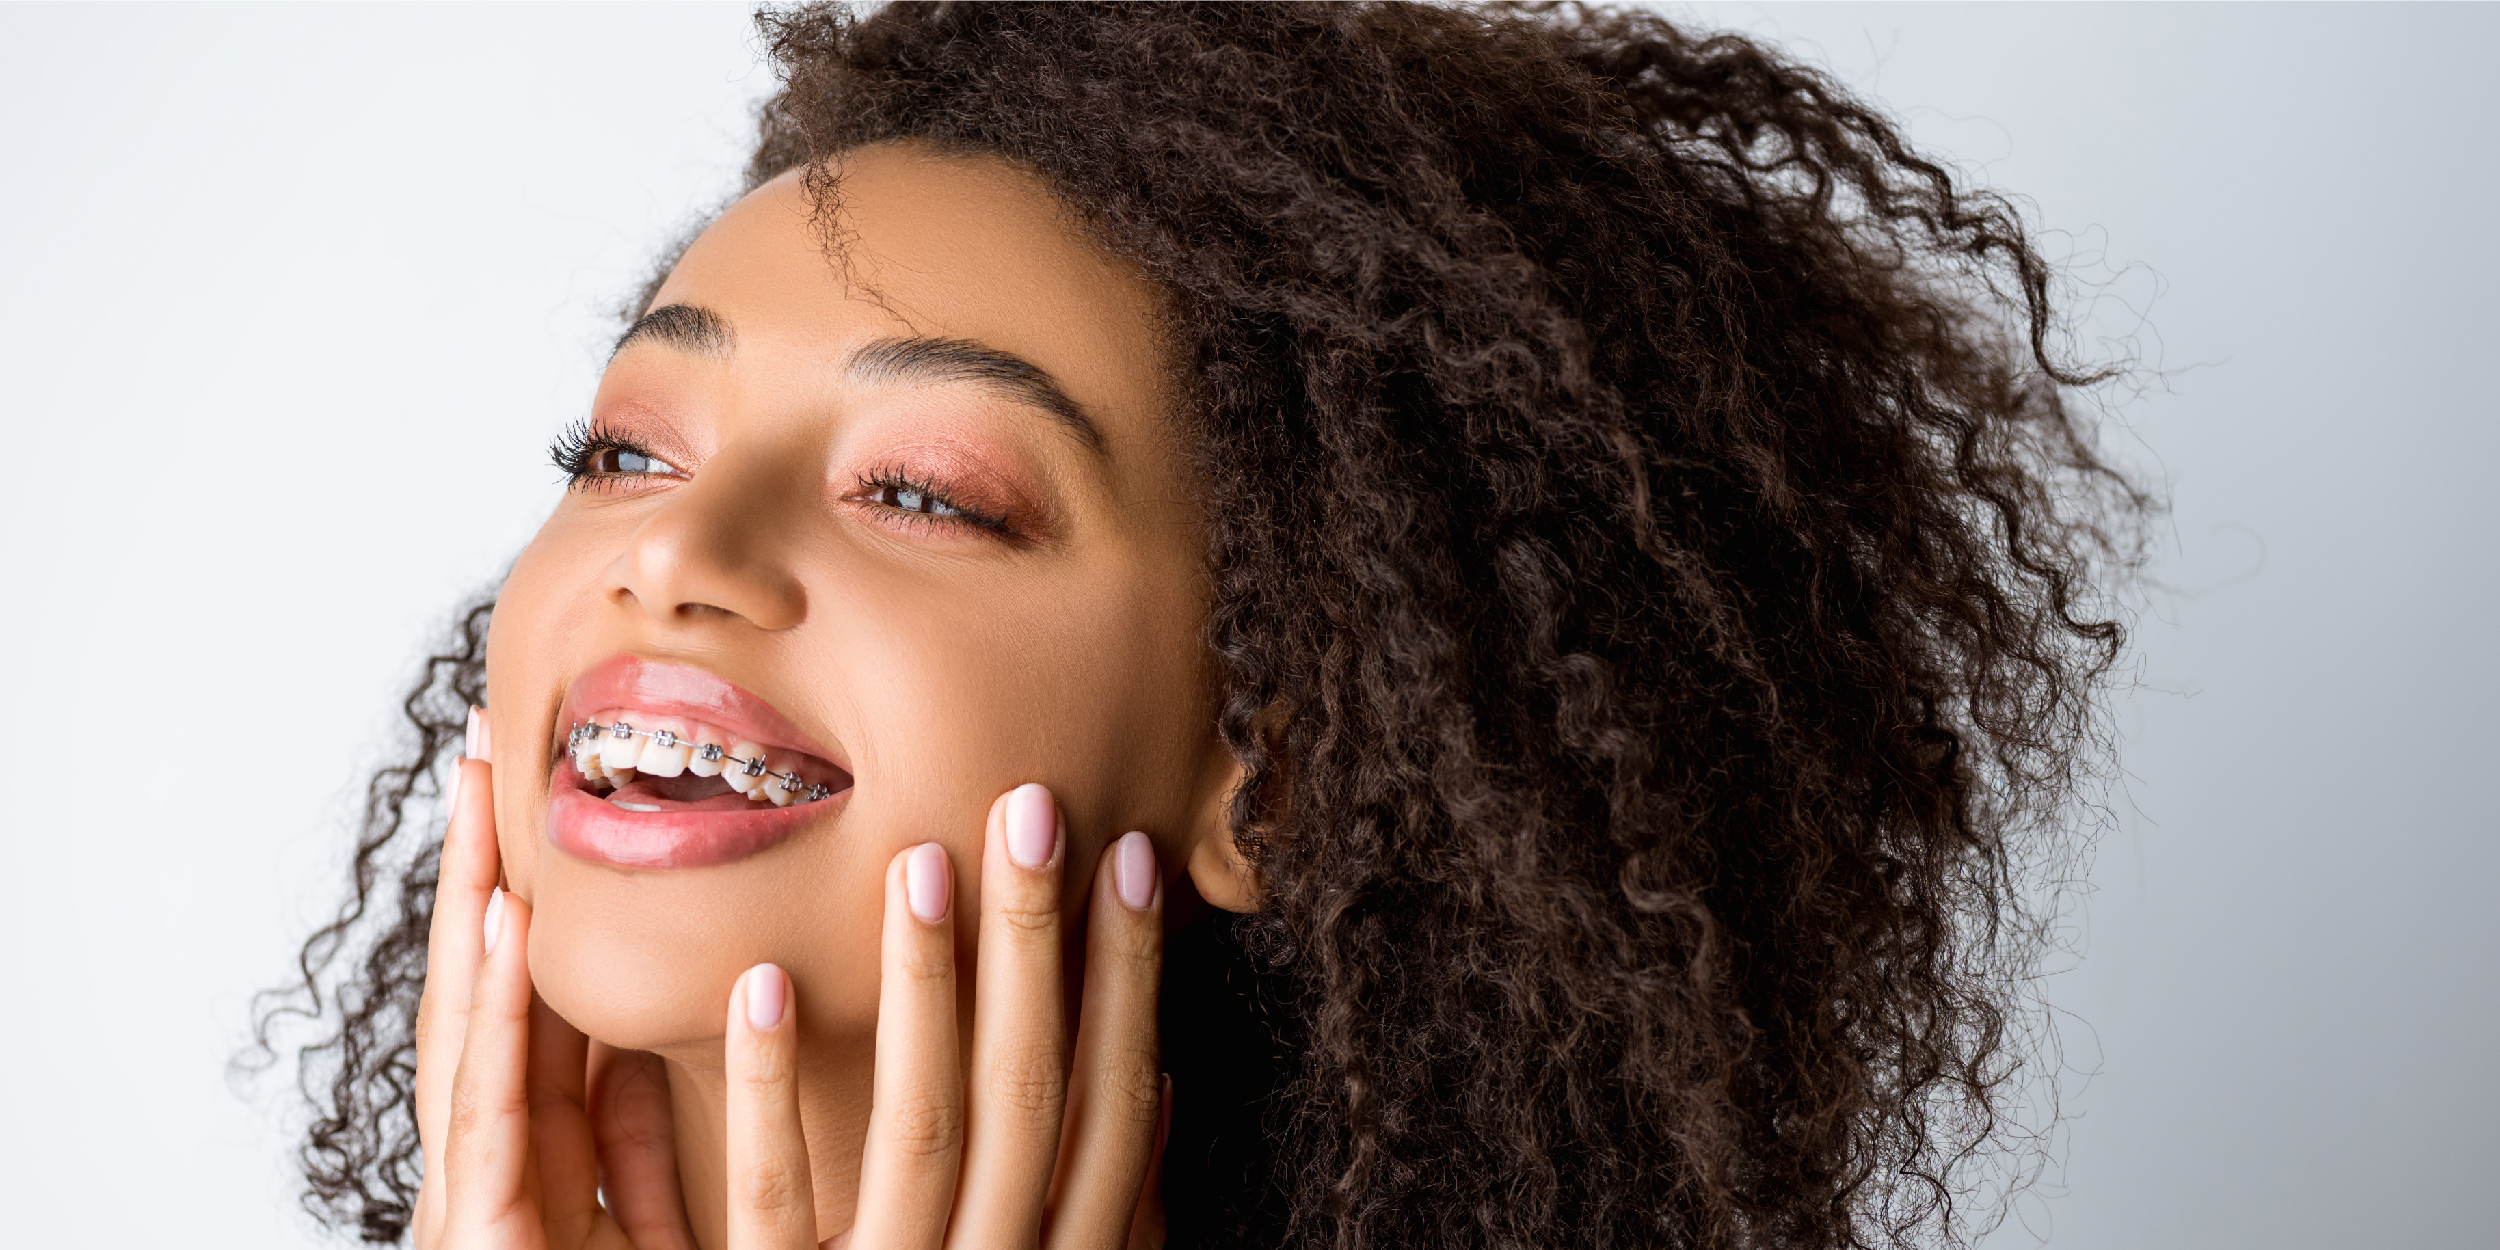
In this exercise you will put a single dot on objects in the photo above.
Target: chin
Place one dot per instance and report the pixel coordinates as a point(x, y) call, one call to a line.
point(644, 960)
point(628, 981)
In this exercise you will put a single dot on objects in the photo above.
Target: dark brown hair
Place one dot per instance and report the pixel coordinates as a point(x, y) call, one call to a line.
point(1654, 565)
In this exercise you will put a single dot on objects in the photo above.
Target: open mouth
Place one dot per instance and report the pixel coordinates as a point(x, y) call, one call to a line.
point(668, 766)
point(646, 763)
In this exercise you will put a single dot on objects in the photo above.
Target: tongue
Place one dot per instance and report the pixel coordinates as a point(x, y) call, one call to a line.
point(686, 793)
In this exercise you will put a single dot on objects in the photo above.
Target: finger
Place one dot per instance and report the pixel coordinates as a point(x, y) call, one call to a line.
point(469, 868)
point(636, 1132)
point(1116, 1090)
point(915, 1127)
point(1019, 1036)
point(1148, 1229)
point(486, 1162)
point(560, 1136)
point(772, 1200)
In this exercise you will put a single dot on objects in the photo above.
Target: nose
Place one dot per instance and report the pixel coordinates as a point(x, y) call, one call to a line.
point(718, 549)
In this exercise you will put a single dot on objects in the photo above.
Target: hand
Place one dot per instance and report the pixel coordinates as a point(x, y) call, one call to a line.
point(519, 1115)
point(505, 1088)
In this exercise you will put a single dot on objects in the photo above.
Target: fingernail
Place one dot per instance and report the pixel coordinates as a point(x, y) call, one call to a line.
point(1133, 870)
point(468, 746)
point(924, 882)
point(485, 735)
point(768, 995)
point(494, 919)
point(451, 793)
point(1032, 827)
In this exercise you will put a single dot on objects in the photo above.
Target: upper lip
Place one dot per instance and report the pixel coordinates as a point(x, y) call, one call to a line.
point(661, 688)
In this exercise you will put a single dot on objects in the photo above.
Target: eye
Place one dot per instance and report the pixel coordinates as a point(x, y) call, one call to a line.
point(625, 460)
point(592, 457)
point(914, 499)
point(918, 501)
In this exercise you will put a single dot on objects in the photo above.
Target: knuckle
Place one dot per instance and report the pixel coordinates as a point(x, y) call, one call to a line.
point(928, 968)
point(772, 1187)
point(925, 1125)
point(767, 1082)
point(1139, 950)
point(1029, 919)
point(469, 1109)
point(1028, 1083)
point(1131, 1084)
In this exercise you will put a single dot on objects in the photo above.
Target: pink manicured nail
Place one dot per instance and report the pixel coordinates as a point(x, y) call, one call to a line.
point(468, 746)
point(451, 793)
point(485, 749)
point(925, 887)
point(494, 919)
point(768, 995)
point(1032, 826)
point(1133, 870)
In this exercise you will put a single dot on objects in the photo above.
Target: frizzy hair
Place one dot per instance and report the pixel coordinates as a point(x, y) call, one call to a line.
point(1657, 581)
point(361, 1158)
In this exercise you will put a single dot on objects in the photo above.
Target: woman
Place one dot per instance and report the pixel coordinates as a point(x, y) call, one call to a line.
point(1568, 530)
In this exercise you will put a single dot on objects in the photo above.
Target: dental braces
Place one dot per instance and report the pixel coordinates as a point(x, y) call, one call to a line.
point(585, 732)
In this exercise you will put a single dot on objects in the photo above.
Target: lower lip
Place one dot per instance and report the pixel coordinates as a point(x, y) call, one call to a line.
point(585, 826)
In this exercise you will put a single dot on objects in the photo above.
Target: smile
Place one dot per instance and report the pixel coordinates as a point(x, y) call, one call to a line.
point(618, 756)
point(667, 766)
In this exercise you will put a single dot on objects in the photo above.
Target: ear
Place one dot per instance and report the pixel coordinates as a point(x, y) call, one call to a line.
point(1215, 865)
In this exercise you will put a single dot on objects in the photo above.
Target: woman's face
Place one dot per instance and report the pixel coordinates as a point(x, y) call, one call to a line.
point(906, 519)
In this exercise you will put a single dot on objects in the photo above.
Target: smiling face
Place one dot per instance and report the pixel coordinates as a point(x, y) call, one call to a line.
point(907, 522)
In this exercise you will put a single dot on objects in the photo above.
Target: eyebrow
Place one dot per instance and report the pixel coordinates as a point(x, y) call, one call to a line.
point(1006, 374)
point(687, 327)
point(693, 328)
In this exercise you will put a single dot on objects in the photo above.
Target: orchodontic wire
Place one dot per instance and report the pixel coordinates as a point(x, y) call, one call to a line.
point(709, 751)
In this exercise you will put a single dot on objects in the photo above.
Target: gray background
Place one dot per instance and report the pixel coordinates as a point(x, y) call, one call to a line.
point(290, 300)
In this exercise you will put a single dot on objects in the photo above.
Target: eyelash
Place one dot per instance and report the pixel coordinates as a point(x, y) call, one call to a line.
point(883, 488)
point(581, 445)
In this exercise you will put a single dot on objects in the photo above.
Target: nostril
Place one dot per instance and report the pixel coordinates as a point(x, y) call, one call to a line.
point(702, 560)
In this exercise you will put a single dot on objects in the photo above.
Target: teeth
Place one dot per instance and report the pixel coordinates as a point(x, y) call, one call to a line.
point(710, 753)
point(586, 755)
point(666, 752)
point(605, 757)
point(747, 780)
point(620, 751)
point(780, 790)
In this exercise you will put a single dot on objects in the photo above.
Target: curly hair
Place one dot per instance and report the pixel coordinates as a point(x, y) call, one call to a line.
point(1659, 587)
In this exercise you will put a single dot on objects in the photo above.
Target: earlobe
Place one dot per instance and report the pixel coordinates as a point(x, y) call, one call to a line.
point(1217, 869)
point(1214, 864)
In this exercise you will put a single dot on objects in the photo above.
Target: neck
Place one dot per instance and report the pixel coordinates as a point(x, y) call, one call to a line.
point(835, 1080)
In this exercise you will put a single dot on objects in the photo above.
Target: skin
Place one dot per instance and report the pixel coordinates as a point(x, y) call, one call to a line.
point(946, 663)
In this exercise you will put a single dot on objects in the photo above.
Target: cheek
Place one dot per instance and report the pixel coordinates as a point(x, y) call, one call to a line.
point(524, 667)
point(543, 626)
point(1093, 685)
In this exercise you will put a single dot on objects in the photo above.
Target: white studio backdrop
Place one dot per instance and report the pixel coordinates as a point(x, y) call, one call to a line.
point(291, 298)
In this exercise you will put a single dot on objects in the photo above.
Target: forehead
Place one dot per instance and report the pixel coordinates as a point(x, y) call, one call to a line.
point(930, 245)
